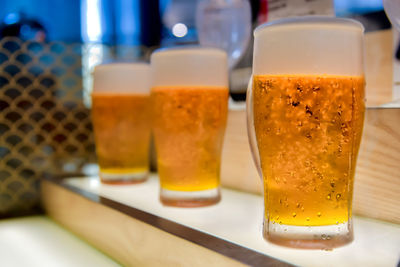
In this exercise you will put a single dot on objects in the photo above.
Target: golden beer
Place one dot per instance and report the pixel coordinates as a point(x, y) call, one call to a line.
point(122, 127)
point(308, 130)
point(305, 113)
point(189, 126)
point(190, 102)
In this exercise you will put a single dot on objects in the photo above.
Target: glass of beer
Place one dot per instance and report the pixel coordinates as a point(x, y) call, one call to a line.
point(121, 115)
point(190, 106)
point(305, 108)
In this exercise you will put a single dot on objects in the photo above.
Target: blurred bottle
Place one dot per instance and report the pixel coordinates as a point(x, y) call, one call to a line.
point(225, 24)
point(392, 9)
point(116, 30)
point(21, 26)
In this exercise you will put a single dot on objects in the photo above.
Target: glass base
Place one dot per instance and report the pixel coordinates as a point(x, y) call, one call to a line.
point(325, 237)
point(190, 199)
point(123, 178)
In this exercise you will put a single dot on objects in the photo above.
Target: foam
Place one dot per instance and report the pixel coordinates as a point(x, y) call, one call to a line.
point(189, 66)
point(309, 45)
point(122, 78)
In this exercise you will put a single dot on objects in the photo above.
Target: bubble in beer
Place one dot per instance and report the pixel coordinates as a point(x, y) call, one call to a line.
point(312, 138)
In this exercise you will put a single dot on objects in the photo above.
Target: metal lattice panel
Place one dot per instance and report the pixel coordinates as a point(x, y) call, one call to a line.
point(44, 126)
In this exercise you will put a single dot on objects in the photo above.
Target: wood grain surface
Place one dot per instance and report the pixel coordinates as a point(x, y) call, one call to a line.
point(237, 166)
point(377, 181)
point(379, 67)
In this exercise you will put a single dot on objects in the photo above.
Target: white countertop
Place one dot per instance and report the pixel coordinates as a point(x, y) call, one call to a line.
point(38, 241)
point(238, 219)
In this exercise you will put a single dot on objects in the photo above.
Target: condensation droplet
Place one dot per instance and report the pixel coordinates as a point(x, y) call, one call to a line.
point(319, 214)
point(294, 214)
point(297, 205)
point(338, 196)
point(308, 219)
point(328, 197)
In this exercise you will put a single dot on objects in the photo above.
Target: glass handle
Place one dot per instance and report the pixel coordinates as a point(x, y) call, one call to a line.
point(251, 134)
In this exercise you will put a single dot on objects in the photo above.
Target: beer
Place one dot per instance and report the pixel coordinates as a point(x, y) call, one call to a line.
point(122, 125)
point(190, 102)
point(308, 130)
point(305, 117)
point(122, 121)
point(189, 126)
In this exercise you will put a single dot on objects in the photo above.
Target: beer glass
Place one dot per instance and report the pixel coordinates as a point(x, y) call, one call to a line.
point(305, 111)
point(190, 105)
point(121, 115)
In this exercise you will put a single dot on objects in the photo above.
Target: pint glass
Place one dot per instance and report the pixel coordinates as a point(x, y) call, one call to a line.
point(305, 118)
point(190, 105)
point(121, 115)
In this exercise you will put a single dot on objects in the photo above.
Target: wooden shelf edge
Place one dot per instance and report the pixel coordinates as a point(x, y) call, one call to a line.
point(137, 238)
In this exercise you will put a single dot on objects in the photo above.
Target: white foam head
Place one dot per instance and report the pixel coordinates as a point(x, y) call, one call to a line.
point(122, 78)
point(309, 45)
point(189, 66)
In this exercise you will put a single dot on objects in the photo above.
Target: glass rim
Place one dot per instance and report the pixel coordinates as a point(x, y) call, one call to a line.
point(311, 20)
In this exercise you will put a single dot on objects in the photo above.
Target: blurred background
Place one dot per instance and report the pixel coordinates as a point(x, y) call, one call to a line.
point(48, 49)
point(131, 29)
